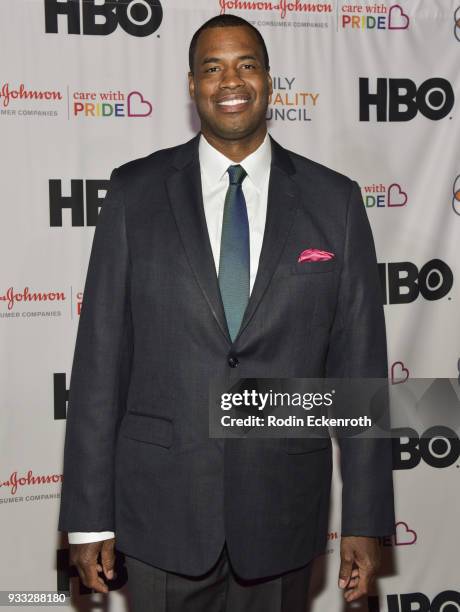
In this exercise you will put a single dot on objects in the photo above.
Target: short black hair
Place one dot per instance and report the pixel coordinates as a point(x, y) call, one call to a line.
point(226, 21)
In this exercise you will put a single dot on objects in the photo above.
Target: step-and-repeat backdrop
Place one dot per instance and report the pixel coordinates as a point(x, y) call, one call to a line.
point(368, 88)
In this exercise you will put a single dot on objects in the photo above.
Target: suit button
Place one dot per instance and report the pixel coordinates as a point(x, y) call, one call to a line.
point(232, 361)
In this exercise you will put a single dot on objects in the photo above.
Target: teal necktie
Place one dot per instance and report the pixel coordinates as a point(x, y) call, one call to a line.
point(234, 252)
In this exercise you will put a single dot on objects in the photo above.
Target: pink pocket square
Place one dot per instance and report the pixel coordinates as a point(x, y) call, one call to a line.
point(315, 255)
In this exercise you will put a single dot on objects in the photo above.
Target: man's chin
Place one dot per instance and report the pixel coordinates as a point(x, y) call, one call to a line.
point(235, 131)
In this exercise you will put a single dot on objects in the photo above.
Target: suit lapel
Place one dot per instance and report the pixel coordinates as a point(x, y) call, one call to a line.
point(186, 200)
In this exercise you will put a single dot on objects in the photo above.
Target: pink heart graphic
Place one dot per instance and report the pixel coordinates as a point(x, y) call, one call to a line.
point(137, 106)
point(396, 368)
point(397, 18)
point(404, 536)
point(396, 196)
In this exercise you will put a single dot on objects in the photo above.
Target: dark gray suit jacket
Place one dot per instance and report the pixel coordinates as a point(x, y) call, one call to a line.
point(152, 333)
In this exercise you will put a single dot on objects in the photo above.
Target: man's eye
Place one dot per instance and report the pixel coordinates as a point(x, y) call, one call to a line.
point(248, 66)
point(212, 69)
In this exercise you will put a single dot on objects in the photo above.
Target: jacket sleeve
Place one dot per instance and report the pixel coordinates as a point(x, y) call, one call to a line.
point(100, 375)
point(358, 349)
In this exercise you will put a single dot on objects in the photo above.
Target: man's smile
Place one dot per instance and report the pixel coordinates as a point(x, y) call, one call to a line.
point(233, 103)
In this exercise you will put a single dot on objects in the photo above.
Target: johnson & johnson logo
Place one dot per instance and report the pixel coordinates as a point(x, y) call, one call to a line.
point(14, 481)
point(282, 6)
point(11, 297)
point(22, 93)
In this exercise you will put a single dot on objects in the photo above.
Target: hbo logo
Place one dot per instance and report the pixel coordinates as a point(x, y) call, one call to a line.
point(447, 601)
point(136, 17)
point(404, 281)
point(439, 447)
point(400, 100)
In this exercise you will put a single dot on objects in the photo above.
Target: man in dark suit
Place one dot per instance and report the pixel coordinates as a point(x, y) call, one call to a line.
point(194, 275)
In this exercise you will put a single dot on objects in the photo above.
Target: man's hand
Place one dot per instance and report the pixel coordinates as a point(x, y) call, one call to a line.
point(85, 558)
point(360, 560)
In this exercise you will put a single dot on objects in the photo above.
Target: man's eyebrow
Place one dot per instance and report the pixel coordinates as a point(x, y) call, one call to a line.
point(248, 57)
point(216, 60)
point(211, 60)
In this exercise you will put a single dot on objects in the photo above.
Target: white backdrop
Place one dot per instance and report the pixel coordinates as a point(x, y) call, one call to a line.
point(81, 94)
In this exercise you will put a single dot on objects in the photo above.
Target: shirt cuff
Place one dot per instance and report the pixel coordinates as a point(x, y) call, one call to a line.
point(84, 537)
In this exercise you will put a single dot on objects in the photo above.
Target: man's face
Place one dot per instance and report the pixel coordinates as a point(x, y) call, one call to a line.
point(230, 85)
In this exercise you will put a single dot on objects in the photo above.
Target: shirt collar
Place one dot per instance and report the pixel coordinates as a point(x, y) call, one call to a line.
point(214, 164)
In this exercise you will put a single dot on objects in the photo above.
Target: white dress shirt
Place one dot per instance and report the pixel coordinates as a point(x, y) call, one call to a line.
point(214, 184)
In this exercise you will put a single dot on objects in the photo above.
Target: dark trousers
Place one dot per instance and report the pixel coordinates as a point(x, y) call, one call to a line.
point(155, 590)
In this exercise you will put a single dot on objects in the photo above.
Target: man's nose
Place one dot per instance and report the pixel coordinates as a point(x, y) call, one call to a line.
point(231, 79)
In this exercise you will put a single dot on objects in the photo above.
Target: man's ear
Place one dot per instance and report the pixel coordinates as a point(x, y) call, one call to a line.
point(191, 85)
